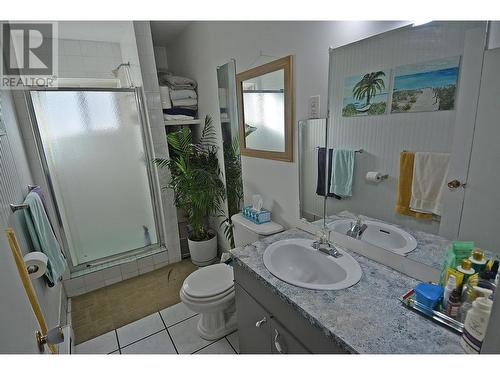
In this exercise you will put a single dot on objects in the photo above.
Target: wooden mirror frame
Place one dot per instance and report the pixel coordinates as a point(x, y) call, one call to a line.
point(285, 63)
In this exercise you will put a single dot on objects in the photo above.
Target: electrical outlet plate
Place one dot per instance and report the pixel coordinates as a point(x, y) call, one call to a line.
point(314, 106)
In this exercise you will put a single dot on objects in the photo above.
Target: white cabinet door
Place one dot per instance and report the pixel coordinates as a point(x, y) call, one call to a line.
point(480, 219)
point(17, 320)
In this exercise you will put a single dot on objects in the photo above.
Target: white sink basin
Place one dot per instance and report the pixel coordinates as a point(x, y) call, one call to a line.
point(296, 262)
point(380, 234)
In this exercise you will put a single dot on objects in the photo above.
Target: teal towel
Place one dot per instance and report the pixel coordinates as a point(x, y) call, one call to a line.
point(342, 172)
point(43, 237)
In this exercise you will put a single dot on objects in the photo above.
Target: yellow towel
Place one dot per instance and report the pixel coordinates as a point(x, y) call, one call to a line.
point(406, 160)
point(28, 286)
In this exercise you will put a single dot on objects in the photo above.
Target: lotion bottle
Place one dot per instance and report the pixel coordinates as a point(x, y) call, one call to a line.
point(476, 323)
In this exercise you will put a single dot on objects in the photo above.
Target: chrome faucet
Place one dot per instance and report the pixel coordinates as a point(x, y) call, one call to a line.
point(324, 245)
point(357, 228)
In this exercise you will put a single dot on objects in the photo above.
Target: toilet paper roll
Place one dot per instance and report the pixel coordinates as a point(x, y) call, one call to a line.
point(373, 176)
point(36, 263)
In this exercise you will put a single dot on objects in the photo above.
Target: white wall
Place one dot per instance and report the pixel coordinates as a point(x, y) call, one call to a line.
point(383, 137)
point(202, 46)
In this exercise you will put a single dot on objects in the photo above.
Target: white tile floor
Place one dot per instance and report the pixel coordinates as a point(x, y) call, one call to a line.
point(170, 331)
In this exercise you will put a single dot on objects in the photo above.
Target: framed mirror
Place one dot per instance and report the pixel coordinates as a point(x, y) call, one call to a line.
point(265, 110)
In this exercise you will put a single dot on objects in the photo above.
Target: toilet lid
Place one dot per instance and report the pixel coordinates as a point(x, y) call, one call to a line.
point(209, 281)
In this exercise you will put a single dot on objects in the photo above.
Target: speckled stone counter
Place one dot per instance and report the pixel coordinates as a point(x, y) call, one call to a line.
point(430, 247)
point(365, 318)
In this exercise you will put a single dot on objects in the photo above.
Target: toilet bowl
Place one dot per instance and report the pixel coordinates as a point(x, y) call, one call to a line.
point(209, 291)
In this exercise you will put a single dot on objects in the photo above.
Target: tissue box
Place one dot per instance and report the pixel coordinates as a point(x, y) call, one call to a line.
point(258, 217)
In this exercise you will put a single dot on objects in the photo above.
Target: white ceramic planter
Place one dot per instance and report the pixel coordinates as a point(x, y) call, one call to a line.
point(203, 253)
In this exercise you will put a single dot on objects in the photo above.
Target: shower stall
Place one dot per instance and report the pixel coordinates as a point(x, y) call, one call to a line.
point(95, 151)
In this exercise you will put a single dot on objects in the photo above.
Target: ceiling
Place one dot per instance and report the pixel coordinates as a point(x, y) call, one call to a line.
point(164, 32)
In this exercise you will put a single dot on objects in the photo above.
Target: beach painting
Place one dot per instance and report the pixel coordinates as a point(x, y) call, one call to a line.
point(426, 87)
point(365, 94)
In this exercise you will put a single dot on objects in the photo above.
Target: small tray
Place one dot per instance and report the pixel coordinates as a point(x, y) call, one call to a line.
point(408, 300)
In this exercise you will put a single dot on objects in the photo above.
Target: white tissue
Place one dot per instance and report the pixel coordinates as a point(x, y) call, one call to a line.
point(257, 202)
point(36, 261)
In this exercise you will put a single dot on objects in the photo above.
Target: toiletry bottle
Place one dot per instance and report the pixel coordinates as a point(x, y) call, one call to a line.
point(471, 293)
point(477, 260)
point(492, 274)
point(451, 285)
point(453, 304)
point(466, 269)
point(475, 325)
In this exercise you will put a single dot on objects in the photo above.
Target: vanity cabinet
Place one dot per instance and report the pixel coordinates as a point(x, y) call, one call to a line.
point(269, 325)
point(254, 324)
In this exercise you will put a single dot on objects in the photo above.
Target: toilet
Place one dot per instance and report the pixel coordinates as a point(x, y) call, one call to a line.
point(209, 291)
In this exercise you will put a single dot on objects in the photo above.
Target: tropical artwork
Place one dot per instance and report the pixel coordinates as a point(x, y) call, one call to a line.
point(424, 87)
point(365, 94)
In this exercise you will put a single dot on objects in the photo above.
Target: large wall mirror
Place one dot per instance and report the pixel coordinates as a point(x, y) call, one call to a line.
point(411, 145)
point(265, 106)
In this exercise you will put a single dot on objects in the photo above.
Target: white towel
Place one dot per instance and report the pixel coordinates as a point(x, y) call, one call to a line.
point(183, 94)
point(177, 117)
point(184, 102)
point(430, 171)
point(165, 97)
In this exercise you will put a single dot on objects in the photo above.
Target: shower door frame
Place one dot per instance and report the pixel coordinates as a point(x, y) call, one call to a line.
point(152, 177)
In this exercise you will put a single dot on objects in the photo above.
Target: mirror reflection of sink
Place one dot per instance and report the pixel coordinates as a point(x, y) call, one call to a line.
point(380, 234)
point(296, 262)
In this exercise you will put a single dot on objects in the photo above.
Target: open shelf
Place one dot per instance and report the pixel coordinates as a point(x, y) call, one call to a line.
point(195, 121)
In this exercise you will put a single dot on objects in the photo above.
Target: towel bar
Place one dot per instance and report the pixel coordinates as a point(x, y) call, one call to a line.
point(360, 151)
point(15, 207)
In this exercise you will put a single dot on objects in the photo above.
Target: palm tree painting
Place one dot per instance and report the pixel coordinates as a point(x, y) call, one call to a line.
point(365, 94)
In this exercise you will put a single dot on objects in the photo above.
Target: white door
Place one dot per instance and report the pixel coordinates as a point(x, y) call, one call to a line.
point(463, 135)
point(17, 320)
point(480, 219)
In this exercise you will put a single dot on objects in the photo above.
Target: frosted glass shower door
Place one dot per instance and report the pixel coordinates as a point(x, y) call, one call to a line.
point(94, 149)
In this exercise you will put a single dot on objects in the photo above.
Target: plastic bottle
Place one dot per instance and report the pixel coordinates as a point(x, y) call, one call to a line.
point(466, 269)
point(475, 325)
point(453, 304)
point(477, 260)
point(451, 285)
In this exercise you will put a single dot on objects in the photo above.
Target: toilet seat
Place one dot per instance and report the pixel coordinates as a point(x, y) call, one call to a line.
point(209, 283)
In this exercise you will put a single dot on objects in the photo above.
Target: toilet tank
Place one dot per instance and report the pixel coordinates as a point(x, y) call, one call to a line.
point(247, 232)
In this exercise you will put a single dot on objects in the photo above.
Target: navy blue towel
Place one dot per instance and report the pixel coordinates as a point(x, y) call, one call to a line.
point(320, 185)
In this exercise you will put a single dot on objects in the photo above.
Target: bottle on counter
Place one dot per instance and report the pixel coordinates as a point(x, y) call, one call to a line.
point(451, 285)
point(475, 325)
point(477, 260)
point(466, 269)
point(453, 304)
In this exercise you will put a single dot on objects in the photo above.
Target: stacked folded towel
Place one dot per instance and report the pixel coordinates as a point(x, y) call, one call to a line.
point(179, 98)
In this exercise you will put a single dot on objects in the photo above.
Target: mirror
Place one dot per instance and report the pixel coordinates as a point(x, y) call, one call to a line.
point(400, 129)
point(410, 131)
point(226, 79)
point(265, 102)
point(312, 168)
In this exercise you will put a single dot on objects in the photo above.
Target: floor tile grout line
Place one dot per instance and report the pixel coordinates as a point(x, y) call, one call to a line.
point(231, 345)
point(145, 337)
point(168, 333)
point(180, 321)
point(118, 341)
point(206, 346)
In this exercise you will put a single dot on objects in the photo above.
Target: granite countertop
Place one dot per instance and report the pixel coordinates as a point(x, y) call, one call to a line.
point(430, 247)
point(365, 318)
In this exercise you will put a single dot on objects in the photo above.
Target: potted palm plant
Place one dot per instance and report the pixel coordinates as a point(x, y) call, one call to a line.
point(197, 185)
